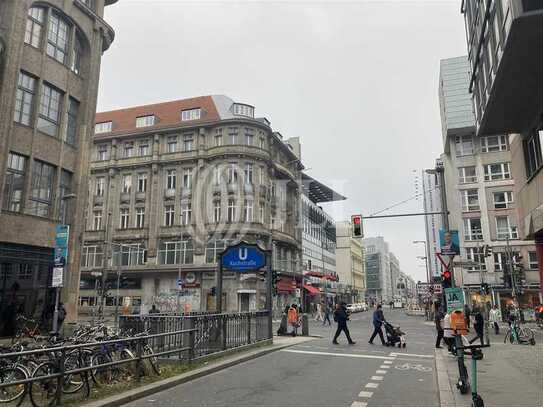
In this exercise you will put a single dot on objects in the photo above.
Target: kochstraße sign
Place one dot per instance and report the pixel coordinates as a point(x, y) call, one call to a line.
point(243, 257)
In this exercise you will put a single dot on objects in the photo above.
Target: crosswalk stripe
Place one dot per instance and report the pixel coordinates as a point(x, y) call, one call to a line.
point(359, 404)
point(381, 371)
point(412, 355)
point(387, 359)
point(384, 367)
point(378, 378)
point(372, 385)
point(365, 394)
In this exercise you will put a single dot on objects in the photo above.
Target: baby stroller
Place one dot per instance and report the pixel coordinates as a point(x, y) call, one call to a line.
point(394, 335)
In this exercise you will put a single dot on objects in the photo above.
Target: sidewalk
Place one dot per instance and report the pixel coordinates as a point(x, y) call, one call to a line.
point(507, 374)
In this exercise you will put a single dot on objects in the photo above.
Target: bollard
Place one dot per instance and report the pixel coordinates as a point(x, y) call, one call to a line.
point(305, 325)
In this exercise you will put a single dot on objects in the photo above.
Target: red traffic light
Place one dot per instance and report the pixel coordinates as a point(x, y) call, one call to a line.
point(446, 275)
point(357, 220)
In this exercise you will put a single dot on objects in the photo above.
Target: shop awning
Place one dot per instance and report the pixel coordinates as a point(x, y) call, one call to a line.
point(286, 285)
point(312, 290)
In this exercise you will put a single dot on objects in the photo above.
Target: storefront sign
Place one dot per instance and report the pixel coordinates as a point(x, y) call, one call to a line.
point(454, 298)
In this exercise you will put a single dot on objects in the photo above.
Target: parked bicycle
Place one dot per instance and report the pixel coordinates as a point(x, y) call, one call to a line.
point(519, 334)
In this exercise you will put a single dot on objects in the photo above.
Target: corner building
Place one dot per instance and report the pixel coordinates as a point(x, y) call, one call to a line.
point(171, 185)
point(50, 53)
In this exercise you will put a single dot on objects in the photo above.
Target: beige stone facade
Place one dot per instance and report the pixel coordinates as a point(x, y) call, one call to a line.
point(50, 56)
point(350, 261)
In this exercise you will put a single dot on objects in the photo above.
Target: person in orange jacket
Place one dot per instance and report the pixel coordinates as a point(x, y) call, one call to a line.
point(292, 319)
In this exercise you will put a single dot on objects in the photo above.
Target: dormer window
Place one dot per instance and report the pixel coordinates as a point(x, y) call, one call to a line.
point(145, 121)
point(244, 110)
point(104, 127)
point(191, 114)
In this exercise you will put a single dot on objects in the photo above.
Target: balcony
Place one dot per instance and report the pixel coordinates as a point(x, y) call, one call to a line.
point(141, 196)
point(169, 193)
point(519, 77)
point(125, 197)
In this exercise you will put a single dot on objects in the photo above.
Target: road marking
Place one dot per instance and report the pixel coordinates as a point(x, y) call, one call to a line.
point(388, 362)
point(372, 385)
point(387, 359)
point(412, 355)
point(384, 367)
point(359, 404)
point(377, 378)
point(365, 394)
point(381, 371)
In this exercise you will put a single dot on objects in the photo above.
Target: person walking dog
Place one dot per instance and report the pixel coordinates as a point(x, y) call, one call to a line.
point(341, 317)
point(378, 320)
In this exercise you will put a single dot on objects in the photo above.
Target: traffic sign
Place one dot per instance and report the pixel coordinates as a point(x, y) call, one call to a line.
point(179, 283)
point(437, 289)
point(243, 257)
point(454, 298)
point(58, 277)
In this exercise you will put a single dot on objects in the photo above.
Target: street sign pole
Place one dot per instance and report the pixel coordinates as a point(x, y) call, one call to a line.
point(269, 305)
point(218, 291)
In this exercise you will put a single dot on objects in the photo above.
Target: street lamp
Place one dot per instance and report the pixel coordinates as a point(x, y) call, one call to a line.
point(425, 258)
point(57, 289)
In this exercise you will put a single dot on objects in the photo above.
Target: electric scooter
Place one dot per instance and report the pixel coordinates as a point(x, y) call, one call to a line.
point(476, 354)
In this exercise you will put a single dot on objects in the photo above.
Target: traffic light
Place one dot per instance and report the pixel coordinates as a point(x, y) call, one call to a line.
point(485, 289)
point(488, 251)
point(356, 221)
point(274, 280)
point(506, 278)
point(213, 291)
point(446, 278)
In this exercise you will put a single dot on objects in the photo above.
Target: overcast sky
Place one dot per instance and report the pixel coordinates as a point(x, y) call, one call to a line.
point(356, 81)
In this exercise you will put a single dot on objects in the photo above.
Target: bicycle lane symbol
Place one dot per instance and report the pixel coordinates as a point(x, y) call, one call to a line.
point(416, 367)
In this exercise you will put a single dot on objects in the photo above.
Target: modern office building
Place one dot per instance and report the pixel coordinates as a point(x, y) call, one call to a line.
point(505, 38)
point(480, 195)
point(377, 267)
point(432, 223)
point(171, 185)
point(350, 262)
point(50, 55)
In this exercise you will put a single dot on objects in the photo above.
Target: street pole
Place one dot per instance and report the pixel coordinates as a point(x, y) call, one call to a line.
point(55, 314)
point(118, 293)
point(269, 302)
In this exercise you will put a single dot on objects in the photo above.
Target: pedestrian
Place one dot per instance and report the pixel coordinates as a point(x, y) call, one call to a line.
point(61, 316)
point(391, 304)
point(154, 310)
point(318, 316)
point(495, 316)
point(448, 334)
point(378, 320)
point(479, 326)
point(292, 318)
point(467, 315)
point(539, 315)
point(341, 317)
point(327, 312)
point(438, 320)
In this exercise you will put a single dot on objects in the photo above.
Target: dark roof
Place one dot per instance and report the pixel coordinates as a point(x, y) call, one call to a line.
point(318, 192)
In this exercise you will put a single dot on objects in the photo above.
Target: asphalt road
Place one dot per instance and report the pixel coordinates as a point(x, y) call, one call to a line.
point(320, 374)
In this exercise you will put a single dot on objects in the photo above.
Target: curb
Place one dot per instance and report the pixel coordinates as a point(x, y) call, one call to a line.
point(446, 396)
point(152, 388)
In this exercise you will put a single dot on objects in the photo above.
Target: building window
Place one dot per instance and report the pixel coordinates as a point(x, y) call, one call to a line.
point(491, 144)
point(244, 110)
point(503, 200)
point(97, 220)
point(100, 186)
point(58, 38)
point(248, 210)
point(233, 173)
point(92, 256)
point(187, 142)
point(470, 200)
point(71, 129)
point(499, 261)
point(14, 184)
point(467, 175)
point(102, 153)
point(500, 171)
point(180, 252)
point(262, 143)
point(464, 145)
point(217, 211)
point(41, 193)
point(89, 4)
point(49, 114)
point(129, 255)
point(248, 173)
point(218, 137)
point(128, 149)
point(104, 127)
point(533, 264)
point(473, 229)
point(172, 144)
point(145, 121)
point(249, 136)
point(504, 229)
point(34, 26)
point(533, 151)
point(25, 271)
point(171, 178)
point(140, 218)
point(24, 99)
point(233, 135)
point(476, 255)
point(77, 54)
point(231, 210)
point(144, 148)
point(124, 218)
point(187, 178)
point(169, 215)
point(186, 214)
point(217, 175)
point(127, 183)
point(142, 182)
point(262, 213)
point(191, 114)
point(214, 248)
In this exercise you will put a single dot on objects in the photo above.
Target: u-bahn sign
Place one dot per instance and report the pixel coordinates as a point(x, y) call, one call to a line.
point(243, 257)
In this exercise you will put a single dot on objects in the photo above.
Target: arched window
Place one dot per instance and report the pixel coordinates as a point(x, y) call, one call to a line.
point(58, 37)
point(77, 54)
point(34, 26)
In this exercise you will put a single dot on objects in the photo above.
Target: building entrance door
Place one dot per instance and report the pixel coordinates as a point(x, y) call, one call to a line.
point(244, 302)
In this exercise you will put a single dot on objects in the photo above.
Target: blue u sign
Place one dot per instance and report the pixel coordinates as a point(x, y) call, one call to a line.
point(243, 257)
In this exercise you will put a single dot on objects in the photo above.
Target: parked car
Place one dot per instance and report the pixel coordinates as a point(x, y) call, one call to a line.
point(352, 308)
point(363, 306)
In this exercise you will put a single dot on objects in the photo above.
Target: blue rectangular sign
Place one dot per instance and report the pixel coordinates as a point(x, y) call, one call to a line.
point(243, 258)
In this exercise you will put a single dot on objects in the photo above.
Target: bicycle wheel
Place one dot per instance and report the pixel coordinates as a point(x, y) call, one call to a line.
point(43, 392)
point(102, 375)
point(153, 360)
point(128, 369)
point(73, 382)
point(9, 375)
